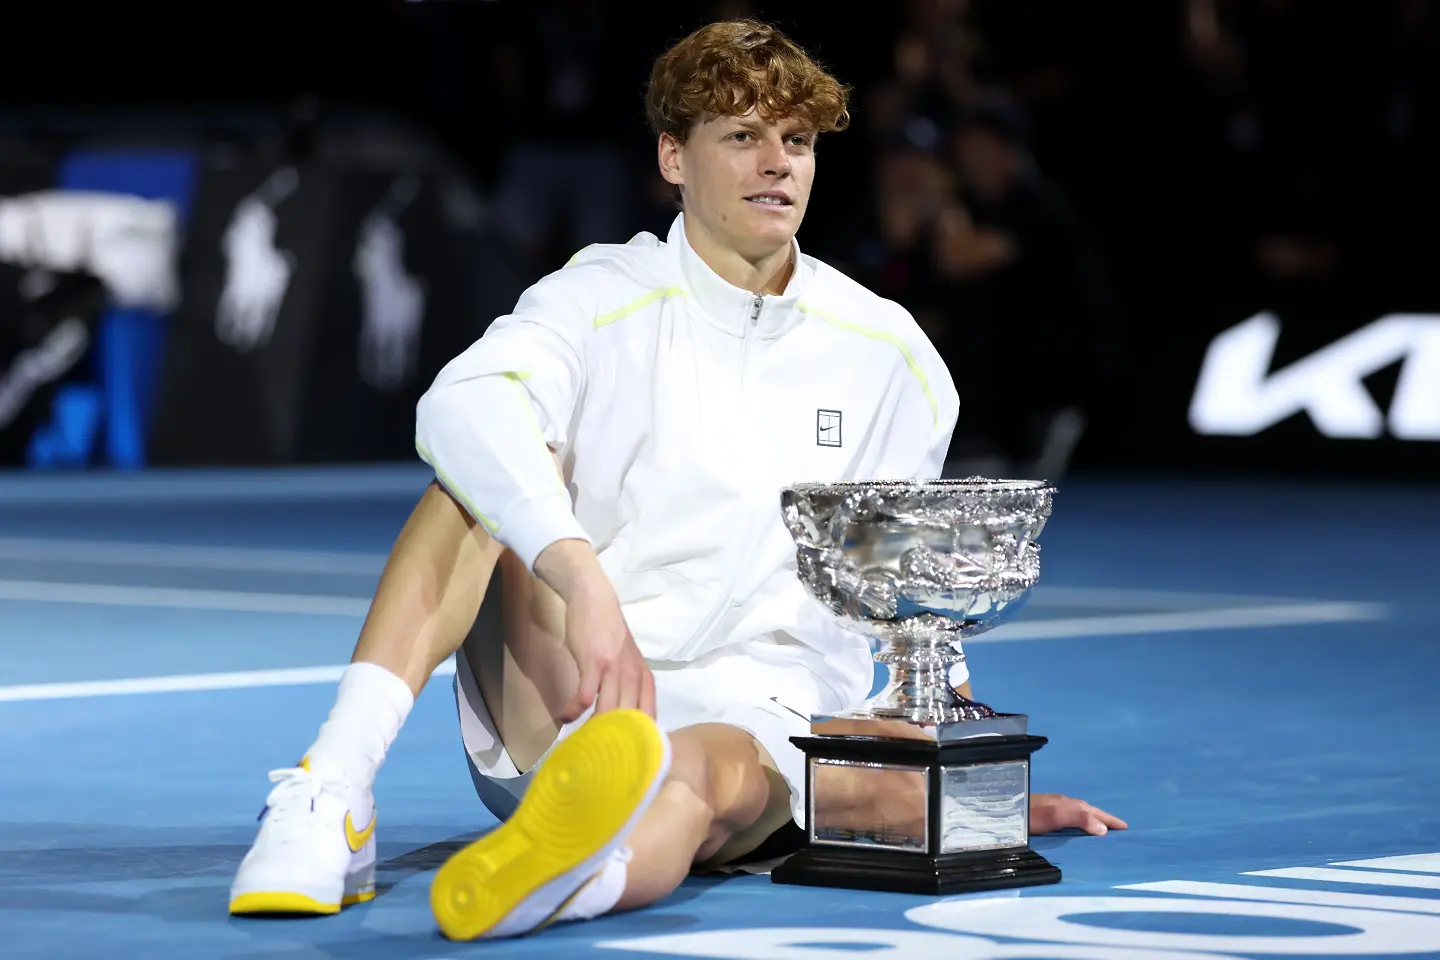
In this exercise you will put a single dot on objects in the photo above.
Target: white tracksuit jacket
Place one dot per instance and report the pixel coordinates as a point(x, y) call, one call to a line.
point(679, 406)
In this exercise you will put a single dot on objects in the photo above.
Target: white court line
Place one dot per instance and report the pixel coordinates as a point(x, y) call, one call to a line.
point(1046, 595)
point(185, 683)
point(1414, 862)
point(1362, 877)
point(1319, 898)
point(1055, 629)
point(177, 598)
point(165, 485)
point(214, 557)
point(181, 598)
point(1233, 618)
point(191, 557)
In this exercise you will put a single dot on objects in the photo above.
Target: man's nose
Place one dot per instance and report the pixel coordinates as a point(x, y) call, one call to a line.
point(775, 160)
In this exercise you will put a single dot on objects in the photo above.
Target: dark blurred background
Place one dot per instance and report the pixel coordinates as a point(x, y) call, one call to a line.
point(1151, 235)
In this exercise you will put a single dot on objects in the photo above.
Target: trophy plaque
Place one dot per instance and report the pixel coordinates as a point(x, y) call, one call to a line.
point(918, 789)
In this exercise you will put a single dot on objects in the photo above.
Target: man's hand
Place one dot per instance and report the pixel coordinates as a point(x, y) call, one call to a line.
point(613, 674)
point(1051, 811)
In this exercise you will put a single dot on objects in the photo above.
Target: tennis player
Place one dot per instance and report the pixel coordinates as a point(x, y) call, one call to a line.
point(608, 460)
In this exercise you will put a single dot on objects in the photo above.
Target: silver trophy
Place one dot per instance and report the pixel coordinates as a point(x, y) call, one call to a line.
point(919, 566)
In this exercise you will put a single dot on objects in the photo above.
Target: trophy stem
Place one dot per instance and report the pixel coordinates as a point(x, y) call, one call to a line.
point(918, 655)
point(922, 688)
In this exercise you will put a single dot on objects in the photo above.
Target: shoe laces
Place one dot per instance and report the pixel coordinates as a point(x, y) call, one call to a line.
point(294, 795)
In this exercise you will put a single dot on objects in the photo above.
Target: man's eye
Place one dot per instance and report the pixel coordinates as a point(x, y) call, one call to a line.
point(737, 136)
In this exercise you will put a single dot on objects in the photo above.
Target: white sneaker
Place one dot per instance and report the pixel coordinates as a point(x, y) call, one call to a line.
point(585, 799)
point(315, 852)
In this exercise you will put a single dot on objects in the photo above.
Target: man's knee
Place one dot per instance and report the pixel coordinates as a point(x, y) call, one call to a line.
point(745, 797)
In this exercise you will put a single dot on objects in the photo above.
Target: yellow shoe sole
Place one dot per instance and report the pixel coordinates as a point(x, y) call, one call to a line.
point(583, 802)
point(292, 904)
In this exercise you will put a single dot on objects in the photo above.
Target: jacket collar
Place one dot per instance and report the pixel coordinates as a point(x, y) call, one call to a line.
point(730, 308)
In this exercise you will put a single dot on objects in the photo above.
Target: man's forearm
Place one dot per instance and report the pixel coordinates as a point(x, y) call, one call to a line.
point(483, 438)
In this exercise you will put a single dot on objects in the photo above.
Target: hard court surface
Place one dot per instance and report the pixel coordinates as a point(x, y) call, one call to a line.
point(1250, 674)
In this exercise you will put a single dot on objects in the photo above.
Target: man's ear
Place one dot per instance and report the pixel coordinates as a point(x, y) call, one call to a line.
point(669, 154)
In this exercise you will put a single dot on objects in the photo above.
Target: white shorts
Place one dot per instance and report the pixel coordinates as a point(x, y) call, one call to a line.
point(767, 687)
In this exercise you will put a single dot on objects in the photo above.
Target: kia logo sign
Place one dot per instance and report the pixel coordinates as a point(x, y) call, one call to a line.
point(1239, 396)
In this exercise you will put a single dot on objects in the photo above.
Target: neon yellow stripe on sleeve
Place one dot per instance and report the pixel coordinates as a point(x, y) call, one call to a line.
point(663, 293)
point(883, 337)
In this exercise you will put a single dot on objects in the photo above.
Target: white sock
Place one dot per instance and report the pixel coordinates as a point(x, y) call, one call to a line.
point(602, 892)
point(370, 706)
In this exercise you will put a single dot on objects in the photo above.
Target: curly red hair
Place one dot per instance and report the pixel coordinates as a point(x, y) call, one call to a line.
point(727, 69)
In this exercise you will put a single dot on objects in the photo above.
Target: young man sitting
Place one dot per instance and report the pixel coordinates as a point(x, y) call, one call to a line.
point(614, 449)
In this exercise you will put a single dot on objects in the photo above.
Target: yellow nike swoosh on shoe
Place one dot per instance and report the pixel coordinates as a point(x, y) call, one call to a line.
point(583, 802)
point(358, 838)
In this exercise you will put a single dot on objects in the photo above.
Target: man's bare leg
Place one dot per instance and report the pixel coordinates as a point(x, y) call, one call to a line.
point(439, 572)
point(424, 606)
point(529, 676)
point(605, 826)
point(430, 590)
point(723, 796)
point(722, 799)
point(302, 860)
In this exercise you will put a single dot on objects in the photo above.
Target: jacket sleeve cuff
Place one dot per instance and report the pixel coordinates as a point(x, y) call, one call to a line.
point(532, 525)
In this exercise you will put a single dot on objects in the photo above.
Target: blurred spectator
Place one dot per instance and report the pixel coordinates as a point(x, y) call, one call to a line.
point(1028, 300)
point(931, 79)
point(1302, 128)
point(565, 178)
point(891, 249)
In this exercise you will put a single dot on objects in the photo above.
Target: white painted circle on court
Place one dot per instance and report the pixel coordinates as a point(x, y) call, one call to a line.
point(839, 943)
point(1376, 932)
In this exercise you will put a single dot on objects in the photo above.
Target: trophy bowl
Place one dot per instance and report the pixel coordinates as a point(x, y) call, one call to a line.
point(919, 566)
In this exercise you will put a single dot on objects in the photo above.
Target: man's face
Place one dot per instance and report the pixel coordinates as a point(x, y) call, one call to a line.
point(746, 181)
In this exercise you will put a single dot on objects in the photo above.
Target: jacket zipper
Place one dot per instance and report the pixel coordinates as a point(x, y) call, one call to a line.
point(755, 307)
point(726, 601)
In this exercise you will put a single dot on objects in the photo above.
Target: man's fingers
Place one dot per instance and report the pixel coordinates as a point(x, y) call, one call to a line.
point(576, 708)
point(585, 692)
point(629, 684)
point(609, 697)
point(1110, 820)
point(1053, 811)
point(647, 692)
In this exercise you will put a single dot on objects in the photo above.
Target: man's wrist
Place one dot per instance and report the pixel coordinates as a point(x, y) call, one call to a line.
point(530, 526)
point(571, 569)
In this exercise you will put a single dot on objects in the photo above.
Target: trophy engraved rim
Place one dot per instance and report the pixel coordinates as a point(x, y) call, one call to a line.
point(942, 485)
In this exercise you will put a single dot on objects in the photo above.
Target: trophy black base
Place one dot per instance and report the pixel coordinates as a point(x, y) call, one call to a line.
point(895, 872)
point(1001, 765)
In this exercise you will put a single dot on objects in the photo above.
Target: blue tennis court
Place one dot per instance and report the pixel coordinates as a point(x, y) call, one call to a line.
point(1245, 672)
